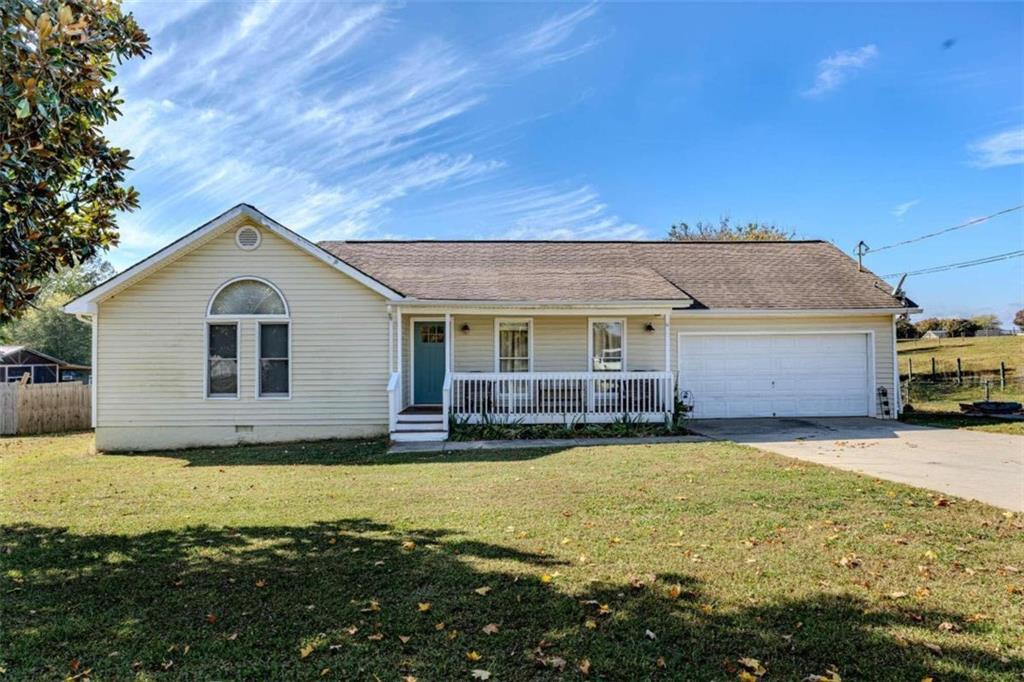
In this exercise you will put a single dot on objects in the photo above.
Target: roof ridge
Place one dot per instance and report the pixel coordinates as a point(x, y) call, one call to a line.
point(572, 241)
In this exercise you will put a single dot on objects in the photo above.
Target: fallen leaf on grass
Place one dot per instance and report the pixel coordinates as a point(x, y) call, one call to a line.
point(373, 607)
point(934, 648)
point(352, 629)
point(473, 656)
point(660, 662)
point(408, 545)
point(545, 578)
point(590, 624)
point(325, 672)
point(490, 629)
point(831, 675)
point(896, 595)
point(261, 583)
point(375, 637)
point(650, 635)
point(305, 651)
point(423, 606)
point(404, 639)
point(584, 666)
point(482, 591)
point(946, 626)
point(754, 666)
point(674, 591)
point(480, 674)
point(211, 618)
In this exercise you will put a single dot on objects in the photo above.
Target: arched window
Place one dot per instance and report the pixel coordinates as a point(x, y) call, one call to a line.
point(248, 297)
point(230, 306)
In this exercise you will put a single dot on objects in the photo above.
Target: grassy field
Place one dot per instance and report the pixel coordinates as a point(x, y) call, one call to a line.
point(976, 353)
point(336, 561)
point(937, 403)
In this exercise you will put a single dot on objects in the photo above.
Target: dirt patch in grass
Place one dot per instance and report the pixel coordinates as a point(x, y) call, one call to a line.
point(631, 562)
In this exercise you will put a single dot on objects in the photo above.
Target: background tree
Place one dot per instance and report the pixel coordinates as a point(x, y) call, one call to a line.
point(928, 324)
point(1018, 320)
point(986, 321)
point(61, 182)
point(905, 329)
point(957, 326)
point(724, 230)
point(46, 327)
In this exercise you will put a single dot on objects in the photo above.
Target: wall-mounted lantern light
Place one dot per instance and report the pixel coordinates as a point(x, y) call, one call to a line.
point(649, 327)
point(464, 328)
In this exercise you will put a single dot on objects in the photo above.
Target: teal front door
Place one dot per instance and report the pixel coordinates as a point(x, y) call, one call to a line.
point(427, 362)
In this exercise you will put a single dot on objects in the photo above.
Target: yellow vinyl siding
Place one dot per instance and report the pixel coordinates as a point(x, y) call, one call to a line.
point(152, 357)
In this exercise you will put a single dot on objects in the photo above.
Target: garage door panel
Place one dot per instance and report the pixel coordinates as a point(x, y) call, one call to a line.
point(763, 375)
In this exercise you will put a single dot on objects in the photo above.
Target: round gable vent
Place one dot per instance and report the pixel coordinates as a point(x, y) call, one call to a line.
point(247, 238)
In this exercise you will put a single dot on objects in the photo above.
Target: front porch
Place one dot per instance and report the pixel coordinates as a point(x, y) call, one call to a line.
point(526, 366)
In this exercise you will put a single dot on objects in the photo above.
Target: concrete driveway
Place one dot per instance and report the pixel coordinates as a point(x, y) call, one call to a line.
point(983, 466)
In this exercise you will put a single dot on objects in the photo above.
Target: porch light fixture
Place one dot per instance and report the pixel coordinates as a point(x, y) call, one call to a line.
point(649, 327)
point(464, 328)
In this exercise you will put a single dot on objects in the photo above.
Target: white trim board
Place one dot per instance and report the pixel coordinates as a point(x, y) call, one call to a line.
point(86, 303)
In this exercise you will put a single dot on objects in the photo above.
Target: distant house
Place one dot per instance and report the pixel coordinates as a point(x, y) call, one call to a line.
point(935, 334)
point(993, 332)
point(17, 361)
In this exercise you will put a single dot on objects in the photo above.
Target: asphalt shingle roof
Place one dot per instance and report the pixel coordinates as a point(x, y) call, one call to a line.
point(719, 275)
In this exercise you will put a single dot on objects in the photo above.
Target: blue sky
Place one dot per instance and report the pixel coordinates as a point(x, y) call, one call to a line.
point(597, 121)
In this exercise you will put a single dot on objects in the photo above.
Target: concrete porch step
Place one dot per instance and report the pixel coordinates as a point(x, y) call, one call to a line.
point(419, 436)
point(403, 425)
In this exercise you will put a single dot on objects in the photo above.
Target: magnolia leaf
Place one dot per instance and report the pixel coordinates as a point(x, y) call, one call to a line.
point(480, 674)
point(490, 629)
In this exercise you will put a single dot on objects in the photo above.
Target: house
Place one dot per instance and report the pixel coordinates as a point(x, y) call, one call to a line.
point(244, 331)
point(17, 361)
point(993, 331)
point(935, 334)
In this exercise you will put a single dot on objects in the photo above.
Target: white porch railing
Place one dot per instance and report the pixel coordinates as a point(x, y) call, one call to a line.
point(559, 397)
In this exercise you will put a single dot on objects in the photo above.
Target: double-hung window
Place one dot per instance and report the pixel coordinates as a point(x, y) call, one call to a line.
point(274, 370)
point(222, 360)
point(607, 345)
point(514, 346)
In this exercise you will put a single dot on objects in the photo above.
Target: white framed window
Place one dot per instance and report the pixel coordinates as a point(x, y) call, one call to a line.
point(274, 376)
point(513, 344)
point(15, 372)
point(247, 297)
point(606, 345)
point(222, 344)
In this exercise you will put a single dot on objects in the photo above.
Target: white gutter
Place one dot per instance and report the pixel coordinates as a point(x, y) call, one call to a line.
point(538, 303)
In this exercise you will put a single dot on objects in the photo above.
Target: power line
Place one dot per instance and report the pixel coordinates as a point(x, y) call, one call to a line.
point(962, 264)
point(969, 223)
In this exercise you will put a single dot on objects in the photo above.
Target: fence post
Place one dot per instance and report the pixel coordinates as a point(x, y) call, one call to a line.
point(1002, 376)
point(933, 367)
point(959, 374)
point(910, 370)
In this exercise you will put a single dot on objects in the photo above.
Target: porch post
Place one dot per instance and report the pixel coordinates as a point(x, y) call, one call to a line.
point(448, 345)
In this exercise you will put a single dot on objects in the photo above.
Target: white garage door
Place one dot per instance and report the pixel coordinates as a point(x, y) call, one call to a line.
point(776, 375)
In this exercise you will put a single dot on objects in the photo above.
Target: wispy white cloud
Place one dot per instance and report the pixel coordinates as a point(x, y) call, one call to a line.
point(294, 109)
point(1002, 149)
point(835, 70)
point(900, 210)
point(547, 43)
point(555, 212)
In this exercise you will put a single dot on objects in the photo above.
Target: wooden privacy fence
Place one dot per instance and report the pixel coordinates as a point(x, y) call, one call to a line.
point(44, 408)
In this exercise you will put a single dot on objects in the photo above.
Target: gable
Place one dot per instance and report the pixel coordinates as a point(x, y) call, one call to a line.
point(225, 224)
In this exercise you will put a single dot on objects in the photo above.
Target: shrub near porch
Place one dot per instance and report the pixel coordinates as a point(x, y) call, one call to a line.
point(615, 562)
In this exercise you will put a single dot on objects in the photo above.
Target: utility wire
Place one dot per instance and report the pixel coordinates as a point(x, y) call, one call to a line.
point(969, 223)
point(962, 264)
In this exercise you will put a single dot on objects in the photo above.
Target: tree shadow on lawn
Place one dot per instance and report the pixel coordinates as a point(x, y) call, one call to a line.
point(245, 603)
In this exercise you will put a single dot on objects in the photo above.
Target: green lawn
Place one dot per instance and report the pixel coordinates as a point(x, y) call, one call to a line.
point(336, 561)
point(937, 402)
point(976, 353)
